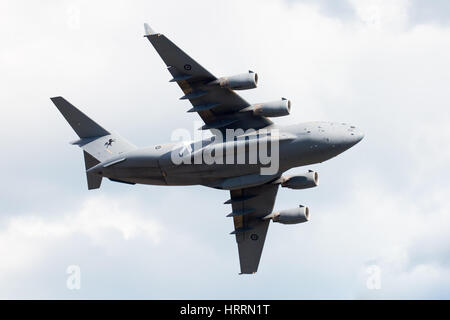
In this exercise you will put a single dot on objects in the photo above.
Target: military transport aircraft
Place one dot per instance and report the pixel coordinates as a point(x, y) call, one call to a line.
point(252, 191)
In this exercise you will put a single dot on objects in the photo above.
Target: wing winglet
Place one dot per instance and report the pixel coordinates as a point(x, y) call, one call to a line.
point(148, 30)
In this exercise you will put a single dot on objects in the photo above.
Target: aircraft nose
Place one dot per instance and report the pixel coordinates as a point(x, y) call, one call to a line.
point(348, 136)
point(357, 135)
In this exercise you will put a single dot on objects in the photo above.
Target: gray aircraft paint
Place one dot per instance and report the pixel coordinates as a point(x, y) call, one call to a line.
point(108, 155)
point(308, 143)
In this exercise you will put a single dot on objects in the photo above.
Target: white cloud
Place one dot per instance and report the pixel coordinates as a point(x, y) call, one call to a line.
point(380, 14)
point(26, 238)
point(382, 202)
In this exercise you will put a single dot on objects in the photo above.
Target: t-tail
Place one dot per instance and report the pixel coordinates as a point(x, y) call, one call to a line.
point(97, 143)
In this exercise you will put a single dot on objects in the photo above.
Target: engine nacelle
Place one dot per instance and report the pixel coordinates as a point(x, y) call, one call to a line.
point(290, 216)
point(301, 181)
point(241, 81)
point(276, 108)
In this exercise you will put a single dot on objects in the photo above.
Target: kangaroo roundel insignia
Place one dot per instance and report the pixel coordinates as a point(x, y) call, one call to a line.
point(109, 143)
point(187, 67)
point(254, 237)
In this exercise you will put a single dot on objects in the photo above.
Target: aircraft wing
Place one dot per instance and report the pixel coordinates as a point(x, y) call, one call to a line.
point(250, 205)
point(217, 106)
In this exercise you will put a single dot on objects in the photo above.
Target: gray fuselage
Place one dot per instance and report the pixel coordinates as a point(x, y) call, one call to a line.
point(299, 145)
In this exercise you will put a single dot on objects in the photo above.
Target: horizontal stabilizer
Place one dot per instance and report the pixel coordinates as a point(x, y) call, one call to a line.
point(98, 144)
point(93, 180)
point(84, 126)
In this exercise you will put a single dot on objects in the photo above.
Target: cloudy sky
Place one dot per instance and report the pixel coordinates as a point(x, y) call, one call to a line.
point(383, 205)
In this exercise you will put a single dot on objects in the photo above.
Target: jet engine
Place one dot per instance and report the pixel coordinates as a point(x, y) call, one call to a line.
point(301, 181)
point(276, 108)
point(290, 216)
point(241, 81)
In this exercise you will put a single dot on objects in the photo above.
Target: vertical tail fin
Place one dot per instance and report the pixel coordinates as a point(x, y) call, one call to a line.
point(97, 143)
